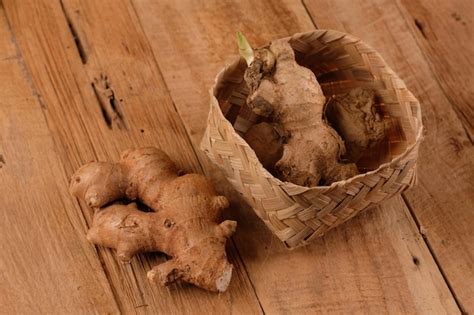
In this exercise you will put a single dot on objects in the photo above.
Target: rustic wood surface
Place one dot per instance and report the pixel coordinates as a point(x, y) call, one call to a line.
point(83, 80)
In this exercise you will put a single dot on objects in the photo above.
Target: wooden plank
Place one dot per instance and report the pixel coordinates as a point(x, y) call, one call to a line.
point(103, 92)
point(45, 266)
point(376, 264)
point(369, 265)
point(444, 32)
point(443, 200)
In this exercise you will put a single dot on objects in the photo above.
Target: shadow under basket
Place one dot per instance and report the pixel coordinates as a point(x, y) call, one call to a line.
point(297, 214)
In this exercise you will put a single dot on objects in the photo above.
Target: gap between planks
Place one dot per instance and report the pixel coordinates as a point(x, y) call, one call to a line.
point(409, 220)
point(433, 253)
point(28, 76)
point(407, 204)
point(83, 56)
point(455, 130)
point(421, 27)
point(30, 90)
point(405, 201)
point(198, 157)
point(180, 117)
point(77, 39)
point(29, 79)
point(424, 53)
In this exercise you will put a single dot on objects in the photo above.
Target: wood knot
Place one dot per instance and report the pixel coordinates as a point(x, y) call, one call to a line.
point(168, 223)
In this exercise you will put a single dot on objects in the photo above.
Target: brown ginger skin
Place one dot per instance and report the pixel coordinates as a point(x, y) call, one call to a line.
point(355, 118)
point(184, 224)
point(267, 143)
point(291, 95)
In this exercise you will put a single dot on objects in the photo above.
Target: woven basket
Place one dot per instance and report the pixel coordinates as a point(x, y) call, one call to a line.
point(298, 214)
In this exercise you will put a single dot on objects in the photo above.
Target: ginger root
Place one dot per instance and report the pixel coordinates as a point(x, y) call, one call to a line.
point(292, 97)
point(267, 142)
point(184, 224)
point(354, 117)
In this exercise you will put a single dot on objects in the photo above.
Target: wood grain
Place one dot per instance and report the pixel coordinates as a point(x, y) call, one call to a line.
point(377, 263)
point(102, 76)
point(443, 200)
point(102, 92)
point(444, 32)
point(44, 258)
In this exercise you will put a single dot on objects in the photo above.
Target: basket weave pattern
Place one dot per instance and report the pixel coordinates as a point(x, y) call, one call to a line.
point(298, 214)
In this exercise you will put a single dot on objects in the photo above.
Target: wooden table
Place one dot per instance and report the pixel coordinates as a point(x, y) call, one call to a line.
point(84, 80)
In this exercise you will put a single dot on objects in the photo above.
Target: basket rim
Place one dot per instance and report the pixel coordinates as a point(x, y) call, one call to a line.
point(417, 117)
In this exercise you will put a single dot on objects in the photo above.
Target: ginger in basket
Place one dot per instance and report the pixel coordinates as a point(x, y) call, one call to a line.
point(290, 95)
point(354, 117)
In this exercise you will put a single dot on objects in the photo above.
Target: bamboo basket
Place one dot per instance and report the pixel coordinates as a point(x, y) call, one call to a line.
point(297, 214)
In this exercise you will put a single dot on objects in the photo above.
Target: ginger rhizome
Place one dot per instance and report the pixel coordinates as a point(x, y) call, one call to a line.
point(267, 142)
point(184, 223)
point(290, 95)
point(354, 117)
